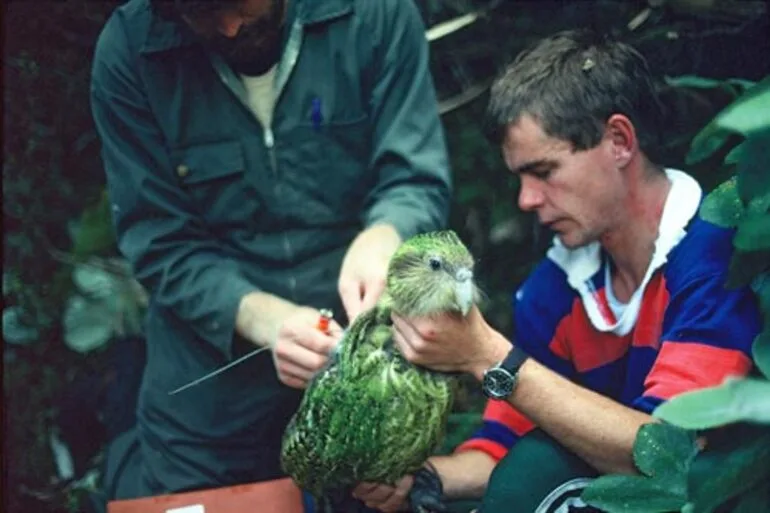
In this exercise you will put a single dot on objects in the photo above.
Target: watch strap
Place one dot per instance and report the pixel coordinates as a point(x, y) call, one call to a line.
point(514, 360)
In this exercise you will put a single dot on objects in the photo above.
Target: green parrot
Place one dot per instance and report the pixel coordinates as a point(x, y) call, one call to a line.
point(369, 414)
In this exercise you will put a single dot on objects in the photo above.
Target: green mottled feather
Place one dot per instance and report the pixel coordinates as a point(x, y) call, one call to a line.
point(370, 415)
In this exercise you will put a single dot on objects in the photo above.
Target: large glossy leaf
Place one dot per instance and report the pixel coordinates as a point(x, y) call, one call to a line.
point(734, 401)
point(95, 281)
point(761, 351)
point(744, 116)
point(761, 347)
point(756, 500)
point(731, 474)
point(735, 155)
point(15, 329)
point(761, 287)
point(754, 165)
point(745, 266)
point(753, 233)
point(738, 85)
point(748, 114)
point(723, 206)
point(633, 494)
point(95, 233)
point(664, 451)
point(88, 325)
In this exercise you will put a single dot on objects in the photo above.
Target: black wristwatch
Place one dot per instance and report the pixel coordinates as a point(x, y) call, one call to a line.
point(500, 380)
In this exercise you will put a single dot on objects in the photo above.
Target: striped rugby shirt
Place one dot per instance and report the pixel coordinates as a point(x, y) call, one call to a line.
point(680, 331)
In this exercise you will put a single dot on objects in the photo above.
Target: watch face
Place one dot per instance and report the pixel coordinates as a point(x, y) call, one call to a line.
point(498, 383)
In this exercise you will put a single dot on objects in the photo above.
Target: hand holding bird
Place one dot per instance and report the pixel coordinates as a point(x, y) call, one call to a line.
point(371, 415)
point(448, 342)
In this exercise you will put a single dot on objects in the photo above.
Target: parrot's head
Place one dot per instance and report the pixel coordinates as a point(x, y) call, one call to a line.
point(432, 273)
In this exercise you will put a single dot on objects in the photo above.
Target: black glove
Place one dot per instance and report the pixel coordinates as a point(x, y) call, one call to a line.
point(427, 491)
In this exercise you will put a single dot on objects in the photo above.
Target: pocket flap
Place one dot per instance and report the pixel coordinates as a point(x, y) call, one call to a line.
point(204, 162)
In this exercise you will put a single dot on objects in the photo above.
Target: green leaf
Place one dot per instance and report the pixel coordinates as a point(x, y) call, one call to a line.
point(755, 500)
point(633, 494)
point(748, 114)
point(761, 287)
point(736, 154)
point(95, 233)
point(698, 82)
point(88, 325)
point(745, 266)
point(745, 115)
point(761, 351)
point(753, 233)
point(734, 401)
point(95, 281)
point(664, 451)
point(723, 206)
point(731, 474)
point(15, 329)
point(754, 156)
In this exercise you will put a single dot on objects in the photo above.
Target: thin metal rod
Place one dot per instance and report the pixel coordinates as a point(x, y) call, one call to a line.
point(218, 371)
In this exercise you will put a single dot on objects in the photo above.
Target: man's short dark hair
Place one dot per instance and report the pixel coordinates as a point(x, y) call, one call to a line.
point(571, 83)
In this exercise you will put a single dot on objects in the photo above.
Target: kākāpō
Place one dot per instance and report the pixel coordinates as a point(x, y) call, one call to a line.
point(369, 414)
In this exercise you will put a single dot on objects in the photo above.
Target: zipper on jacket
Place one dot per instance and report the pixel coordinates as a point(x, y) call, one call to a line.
point(269, 140)
point(285, 67)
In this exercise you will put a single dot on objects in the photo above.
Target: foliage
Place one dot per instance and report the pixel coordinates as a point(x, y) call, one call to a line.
point(731, 473)
point(56, 216)
point(663, 454)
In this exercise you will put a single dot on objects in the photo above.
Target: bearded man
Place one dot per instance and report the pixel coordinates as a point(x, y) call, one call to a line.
point(264, 160)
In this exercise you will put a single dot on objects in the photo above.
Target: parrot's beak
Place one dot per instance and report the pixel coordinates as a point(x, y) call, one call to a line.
point(464, 290)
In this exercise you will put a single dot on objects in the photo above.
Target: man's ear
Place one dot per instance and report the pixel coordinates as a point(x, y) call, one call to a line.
point(622, 136)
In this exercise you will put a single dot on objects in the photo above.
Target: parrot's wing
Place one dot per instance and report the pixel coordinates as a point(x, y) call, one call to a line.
point(358, 337)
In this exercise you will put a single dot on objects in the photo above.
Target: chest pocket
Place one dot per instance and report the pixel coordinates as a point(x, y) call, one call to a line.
point(214, 176)
point(327, 169)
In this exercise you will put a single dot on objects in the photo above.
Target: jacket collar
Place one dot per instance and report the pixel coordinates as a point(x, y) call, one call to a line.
point(312, 12)
point(163, 34)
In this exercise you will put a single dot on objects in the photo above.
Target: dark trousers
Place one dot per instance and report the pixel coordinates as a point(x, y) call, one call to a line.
point(538, 475)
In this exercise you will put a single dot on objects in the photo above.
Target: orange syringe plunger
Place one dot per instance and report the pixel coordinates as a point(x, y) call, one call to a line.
point(324, 319)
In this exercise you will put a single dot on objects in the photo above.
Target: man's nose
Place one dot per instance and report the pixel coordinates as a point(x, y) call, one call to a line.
point(530, 196)
point(230, 25)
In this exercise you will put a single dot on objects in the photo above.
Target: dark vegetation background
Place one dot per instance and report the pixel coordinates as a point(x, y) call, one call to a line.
point(56, 318)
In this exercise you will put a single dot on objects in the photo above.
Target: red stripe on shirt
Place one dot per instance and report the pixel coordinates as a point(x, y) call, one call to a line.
point(576, 339)
point(600, 296)
point(685, 366)
point(649, 324)
point(504, 413)
point(494, 449)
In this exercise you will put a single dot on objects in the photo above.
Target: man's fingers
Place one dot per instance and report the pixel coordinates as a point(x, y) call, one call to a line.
point(398, 497)
point(298, 371)
point(404, 326)
point(372, 292)
point(312, 339)
point(402, 345)
point(377, 496)
point(300, 357)
point(363, 488)
point(293, 377)
point(350, 294)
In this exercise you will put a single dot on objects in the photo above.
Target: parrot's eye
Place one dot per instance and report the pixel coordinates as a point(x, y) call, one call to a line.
point(435, 263)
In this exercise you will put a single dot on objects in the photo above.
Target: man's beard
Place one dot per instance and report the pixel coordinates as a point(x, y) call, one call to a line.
point(256, 47)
